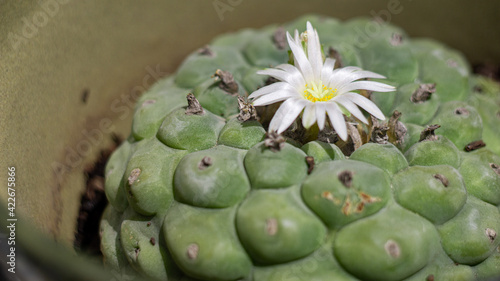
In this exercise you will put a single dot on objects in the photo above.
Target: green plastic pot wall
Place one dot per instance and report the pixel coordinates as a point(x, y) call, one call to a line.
point(70, 71)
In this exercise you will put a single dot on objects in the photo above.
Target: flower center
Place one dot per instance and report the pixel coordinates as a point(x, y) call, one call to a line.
point(315, 93)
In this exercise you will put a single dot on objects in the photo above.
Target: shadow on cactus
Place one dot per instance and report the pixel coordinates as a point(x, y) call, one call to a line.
point(278, 155)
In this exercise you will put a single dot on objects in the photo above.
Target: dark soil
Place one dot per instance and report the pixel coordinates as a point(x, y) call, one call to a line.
point(488, 69)
point(92, 204)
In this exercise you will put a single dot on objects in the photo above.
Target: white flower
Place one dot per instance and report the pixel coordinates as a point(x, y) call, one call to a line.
point(314, 87)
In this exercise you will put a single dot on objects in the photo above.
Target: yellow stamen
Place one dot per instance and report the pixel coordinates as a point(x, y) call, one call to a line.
point(322, 93)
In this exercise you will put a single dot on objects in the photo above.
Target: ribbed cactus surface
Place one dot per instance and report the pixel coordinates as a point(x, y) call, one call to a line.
point(198, 192)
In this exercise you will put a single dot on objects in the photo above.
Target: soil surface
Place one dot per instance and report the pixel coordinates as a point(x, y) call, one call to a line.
point(488, 69)
point(92, 204)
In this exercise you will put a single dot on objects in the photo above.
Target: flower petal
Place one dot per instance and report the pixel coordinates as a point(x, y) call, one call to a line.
point(339, 72)
point(352, 108)
point(277, 96)
point(337, 120)
point(346, 78)
point(270, 88)
point(286, 114)
point(369, 74)
point(366, 85)
point(327, 69)
point(301, 61)
point(314, 51)
point(276, 73)
point(366, 104)
point(295, 72)
point(293, 77)
point(321, 114)
point(347, 69)
point(297, 36)
point(309, 116)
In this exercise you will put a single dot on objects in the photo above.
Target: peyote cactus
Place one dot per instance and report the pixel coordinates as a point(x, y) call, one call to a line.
point(206, 188)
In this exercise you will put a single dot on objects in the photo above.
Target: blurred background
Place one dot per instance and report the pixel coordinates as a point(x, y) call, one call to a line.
point(70, 71)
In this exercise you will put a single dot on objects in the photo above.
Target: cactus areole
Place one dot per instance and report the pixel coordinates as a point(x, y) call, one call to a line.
point(234, 172)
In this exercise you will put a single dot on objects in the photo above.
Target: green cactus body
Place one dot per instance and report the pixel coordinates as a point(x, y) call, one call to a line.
point(200, 193)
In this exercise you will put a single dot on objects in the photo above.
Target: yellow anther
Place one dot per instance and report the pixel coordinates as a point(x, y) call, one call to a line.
point(322, 93)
